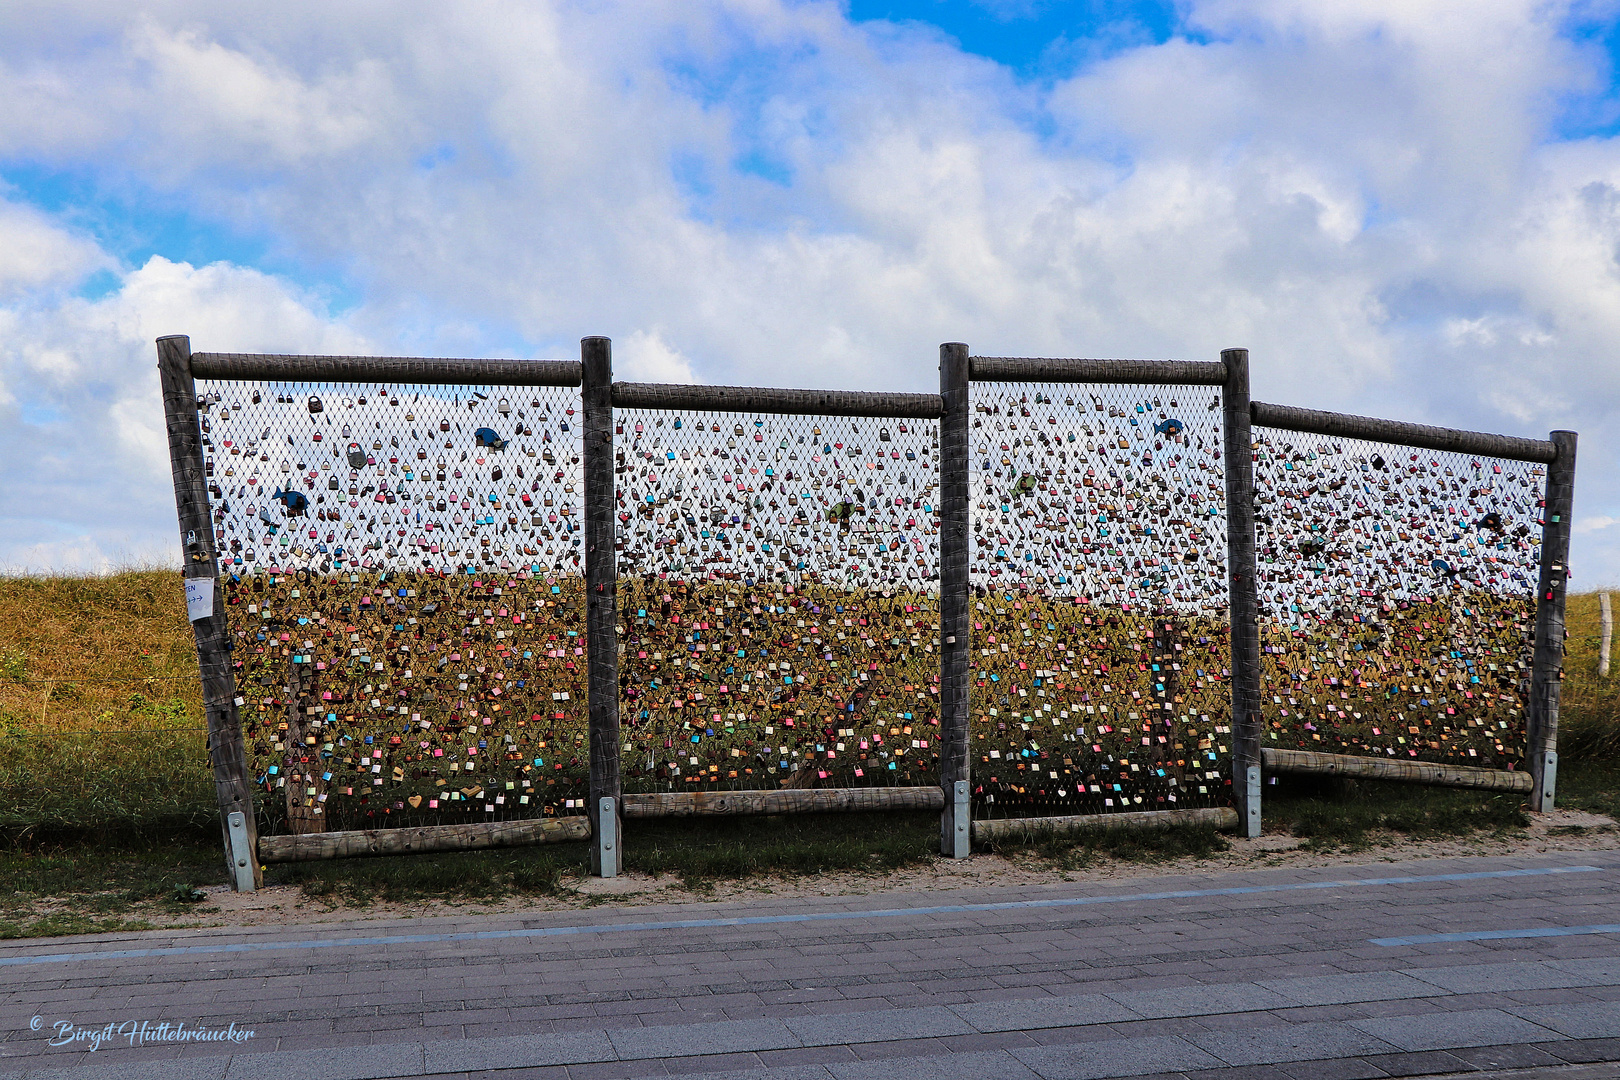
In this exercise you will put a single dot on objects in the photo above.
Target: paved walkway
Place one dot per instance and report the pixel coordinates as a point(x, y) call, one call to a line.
point(1394, 969)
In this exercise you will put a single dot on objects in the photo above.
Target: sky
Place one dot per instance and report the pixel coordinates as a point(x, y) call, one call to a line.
point(1401, 208)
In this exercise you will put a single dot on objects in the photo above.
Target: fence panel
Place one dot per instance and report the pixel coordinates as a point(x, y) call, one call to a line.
point(1100, 632)
point(400, 623)
point(1397, 598)
point(779, 605)
point(401, 572)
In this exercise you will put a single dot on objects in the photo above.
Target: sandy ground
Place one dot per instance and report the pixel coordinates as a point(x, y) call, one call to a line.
point(1561, 831)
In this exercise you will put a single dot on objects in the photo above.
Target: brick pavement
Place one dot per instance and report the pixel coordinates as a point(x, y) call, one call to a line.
point(1245, 984)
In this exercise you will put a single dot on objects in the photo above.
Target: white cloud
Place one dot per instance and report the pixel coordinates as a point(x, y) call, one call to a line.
point(1365, 193)
point(646, 357)
point(88, 484)
point(37, 253)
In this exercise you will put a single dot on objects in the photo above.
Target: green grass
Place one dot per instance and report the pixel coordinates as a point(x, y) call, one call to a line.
point(1332, 814)
point(702, 851)
point(1077, 852)
point(64, 925)
point(1593, 786)
point(698, 853)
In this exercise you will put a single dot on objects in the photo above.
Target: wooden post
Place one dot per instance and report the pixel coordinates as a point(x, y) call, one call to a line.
point(1547, 673)
point(1608, 632)
point(1240, 566)
point(226, 751)
point(955, 835)
point(601, 591)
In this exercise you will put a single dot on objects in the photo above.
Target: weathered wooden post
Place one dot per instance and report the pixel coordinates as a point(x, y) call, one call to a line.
point(1547, 672)
point(1237, 439)
point(955, 829)
point(1608, 633)
point(205, 606)
point(601, 612)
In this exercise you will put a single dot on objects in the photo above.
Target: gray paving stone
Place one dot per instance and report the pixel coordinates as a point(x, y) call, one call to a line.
point(1031, 1013)
point(836, 1029)
point(1288, 1042)
point(1115, 1057)
point(1339, 1069)
point(1485, 978)
point(1349, 988)
point(777, 1072)
point(113, 1069)
point(513, 1051)
point(1600, 970)
point(1446, 1030)
point(683, 1040)
point(1198, 1000)
point(349, 1063)
point(1590, 1020)
point(973, 1066)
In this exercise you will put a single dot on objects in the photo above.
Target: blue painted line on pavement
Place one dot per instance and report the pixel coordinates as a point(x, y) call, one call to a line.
point(1500, 935)
point(769, 920)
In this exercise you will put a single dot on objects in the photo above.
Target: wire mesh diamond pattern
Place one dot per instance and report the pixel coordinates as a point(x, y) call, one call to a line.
point(401, 571)
point(1098, 553)
point(779, 600)
point(1397, 598)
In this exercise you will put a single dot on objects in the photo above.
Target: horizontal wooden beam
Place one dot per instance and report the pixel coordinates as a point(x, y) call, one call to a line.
point(988, 830)
point(1344, 426)
point(1043, 369)
point(384, 370)
point(764, 399)
point(811, 801)
point(1406, 772)
point(491, 834)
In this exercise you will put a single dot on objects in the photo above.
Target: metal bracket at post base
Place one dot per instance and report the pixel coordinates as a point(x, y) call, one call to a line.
point(1251, 805)
point(242, 853)
point(1549, 783)
point(607, 836)
point(961, 835)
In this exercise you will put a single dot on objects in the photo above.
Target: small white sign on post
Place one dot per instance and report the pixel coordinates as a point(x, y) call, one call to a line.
point(199, 598)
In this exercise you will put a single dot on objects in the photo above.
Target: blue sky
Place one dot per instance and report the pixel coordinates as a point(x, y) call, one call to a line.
point(1038, 39)
point(1401, 207)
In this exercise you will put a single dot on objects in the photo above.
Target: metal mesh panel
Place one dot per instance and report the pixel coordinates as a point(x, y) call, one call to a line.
point(1099, 620)
point(779, 600)
point(401, 570)
point(1397, 598)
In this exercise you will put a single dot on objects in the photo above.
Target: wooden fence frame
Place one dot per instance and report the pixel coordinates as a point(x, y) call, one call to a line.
point(1557, 452)
point(607, 806)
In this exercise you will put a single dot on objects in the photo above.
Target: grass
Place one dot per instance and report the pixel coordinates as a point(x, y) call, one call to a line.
point(99, 888)
point(1329, 814)
point(724, 849)
point(1071, 852)
point(1589, 705)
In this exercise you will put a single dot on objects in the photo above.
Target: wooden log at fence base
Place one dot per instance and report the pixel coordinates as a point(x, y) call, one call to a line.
point(484, 834)
point(809, 801)
point(987, 830)
point(1408, 772)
